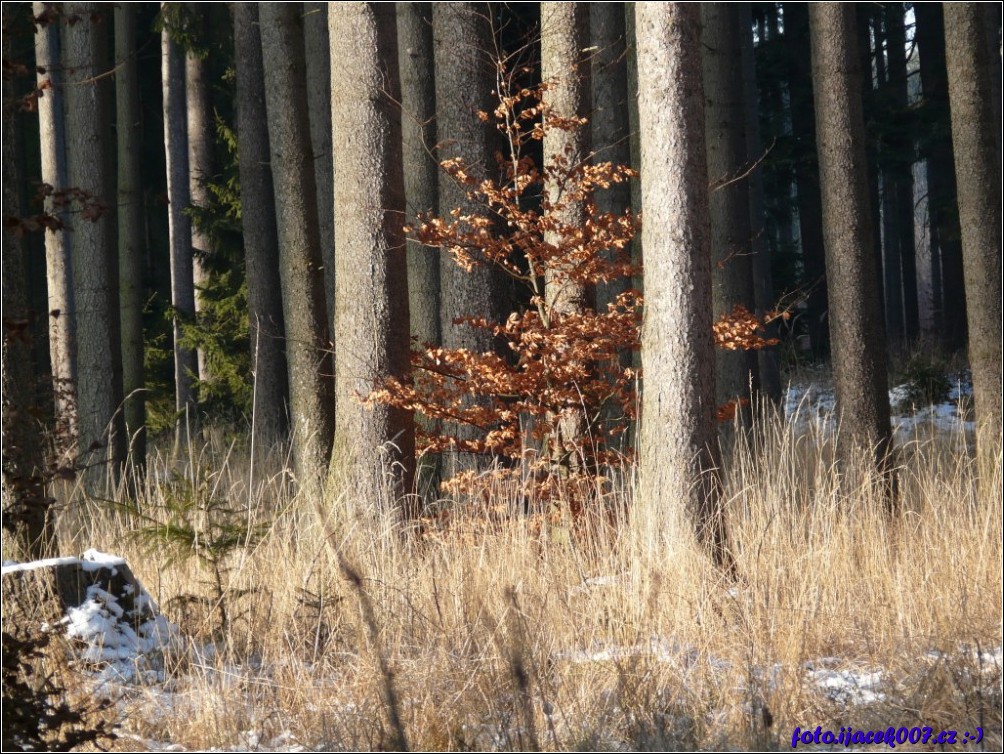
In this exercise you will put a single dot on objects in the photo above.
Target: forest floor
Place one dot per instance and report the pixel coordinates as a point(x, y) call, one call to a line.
point(303, 628)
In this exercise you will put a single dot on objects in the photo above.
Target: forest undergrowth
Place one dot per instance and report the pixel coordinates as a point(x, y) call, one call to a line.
point(312, 625)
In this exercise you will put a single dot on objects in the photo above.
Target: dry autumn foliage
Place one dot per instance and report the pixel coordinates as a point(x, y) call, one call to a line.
point(552, 361)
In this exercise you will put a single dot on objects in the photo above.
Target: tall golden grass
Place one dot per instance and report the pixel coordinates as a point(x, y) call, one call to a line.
point(610, 631)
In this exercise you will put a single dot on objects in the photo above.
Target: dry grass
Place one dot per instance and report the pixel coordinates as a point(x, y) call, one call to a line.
point(344, 632)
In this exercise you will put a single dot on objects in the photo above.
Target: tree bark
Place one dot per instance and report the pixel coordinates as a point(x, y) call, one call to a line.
point(611, 128)
point(186, 366)
point(421, 187)
point(418, 123)
point(465, 80)
point(58, 244)
point(856, 332)
point(200, 128)
point(261, 243)
point(95, 264)
point(374, 449)
point(132, 230)
point(763, 281)
point(25, 505)
point(319, 104)
point(737, 373)
point(312, 402)
point(901, 166)
point(810, 211)
point(947, 277)
point(564, 35)
point(678, 454)
point(977, 172)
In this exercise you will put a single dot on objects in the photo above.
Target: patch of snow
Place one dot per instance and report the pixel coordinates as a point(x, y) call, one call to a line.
point(14, 567)
point(844, 686)
point(94, 560)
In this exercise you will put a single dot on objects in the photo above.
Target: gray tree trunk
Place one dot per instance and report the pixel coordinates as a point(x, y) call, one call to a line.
point(132, 229)
point(810, 210)
point(307, 345)
point(58, 244)
point(186, 366)
point(611, 128)
point(25, 505)
point(319, 104)
point(201, 128)
point(737, 373)
point(465, 80)
point(261, 243)
point(977, 173)
point(418, 124)
point(947, 277)
point(564, 35)
point(678, 455)
point(374, 445)
point(421, 187)
point(856, 331)
point(901, 167)
point(95, 262)
point(763, 281)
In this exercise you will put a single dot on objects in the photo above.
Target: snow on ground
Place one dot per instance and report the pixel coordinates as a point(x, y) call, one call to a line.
point(119, 645)
point(811, 406)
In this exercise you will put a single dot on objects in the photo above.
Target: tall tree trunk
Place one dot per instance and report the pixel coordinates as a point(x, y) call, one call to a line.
point(856, 332)
point(901, 165)
point(611, 128)
point(261, 243)
point(95, 263)
point(421, 186)
point(371, 318)
point(465, 80)
point(810, 211)
point(25, 505)
point(201, 131)
point(737, 373)
point(947, 279)
point(58, 244)
point(678, 454)
point(418, 123)
point(186, 366)
point(132, 229)
point(867, 25)
point(307, 352)
point(318, 51)
point(763, 281)
point(564, 34)
point(977, 172)
point(637, 252)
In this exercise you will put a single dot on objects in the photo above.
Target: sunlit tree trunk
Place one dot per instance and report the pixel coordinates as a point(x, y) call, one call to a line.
point(200, 125)
point(307, 352)
point(856, 330)
point(977, 172)
point(318, 57)
point(374, 448)
point(261, 243)
point(186, 366)
point(95, 263)
point(465, 80)
point(678, 454)
point(564, 35)
point(25, 505)
point(58, 242)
